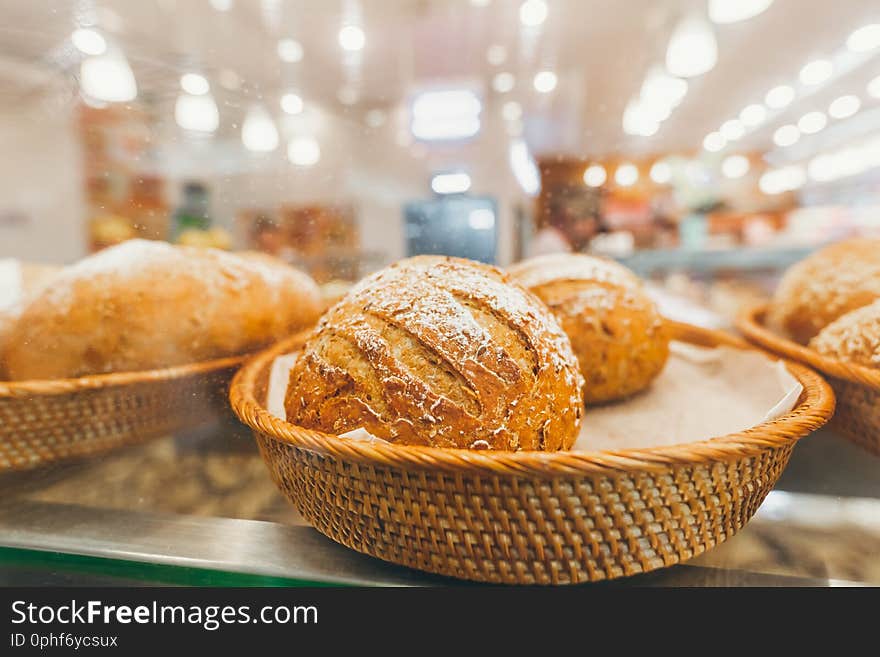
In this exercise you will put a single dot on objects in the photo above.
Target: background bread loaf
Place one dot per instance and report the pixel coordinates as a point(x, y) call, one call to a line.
point(443, 352)
point(146, 304)
point(615, 329)
point(827, 284)
point(853, 337)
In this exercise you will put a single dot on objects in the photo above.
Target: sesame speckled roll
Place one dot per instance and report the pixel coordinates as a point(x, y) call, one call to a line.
point(615, 329)
point(853, 337)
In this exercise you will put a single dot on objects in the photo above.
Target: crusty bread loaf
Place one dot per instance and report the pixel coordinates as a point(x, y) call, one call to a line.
point(822, 287)
point(853, 337)
point(443, 352)
point(617, 333)
point(144, 305)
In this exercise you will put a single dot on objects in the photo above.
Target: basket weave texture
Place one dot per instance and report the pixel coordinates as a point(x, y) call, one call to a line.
point(45, 421)
point(528, 517)
point(856, 387)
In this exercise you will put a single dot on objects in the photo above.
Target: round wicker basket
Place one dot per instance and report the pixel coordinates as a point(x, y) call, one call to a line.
point(528, 517)
point(44, 421)
point(857, 387)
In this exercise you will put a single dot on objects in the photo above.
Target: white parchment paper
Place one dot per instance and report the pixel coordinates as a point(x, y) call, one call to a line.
point(702, 393)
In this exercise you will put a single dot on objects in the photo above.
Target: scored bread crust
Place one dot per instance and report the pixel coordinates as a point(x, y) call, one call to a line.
point(443, 352)
point(616, 331)
point(853, 337)
point(144, 305)
point(824, 286)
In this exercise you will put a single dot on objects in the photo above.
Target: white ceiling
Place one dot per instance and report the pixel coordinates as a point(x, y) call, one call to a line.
point(601, 50)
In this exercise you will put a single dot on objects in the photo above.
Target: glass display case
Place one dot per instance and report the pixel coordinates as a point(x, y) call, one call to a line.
point(706, 146)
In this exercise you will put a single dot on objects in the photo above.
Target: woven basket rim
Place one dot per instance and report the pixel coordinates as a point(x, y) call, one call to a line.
point(751, 322)
point(813, 409)
point(37, 387)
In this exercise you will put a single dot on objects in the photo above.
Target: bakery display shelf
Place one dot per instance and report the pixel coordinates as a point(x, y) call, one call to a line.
point(649, 262)
point(200, 509)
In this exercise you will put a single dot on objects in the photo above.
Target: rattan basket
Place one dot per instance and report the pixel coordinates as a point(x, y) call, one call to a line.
point(857, 387)
point(528, 517)
point(44, 421)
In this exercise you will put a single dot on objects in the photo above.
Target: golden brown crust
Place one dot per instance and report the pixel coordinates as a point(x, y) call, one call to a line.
point(443, 352)
point(615, 329)
point(853, 337)
point(145, 305)
point(824, 286)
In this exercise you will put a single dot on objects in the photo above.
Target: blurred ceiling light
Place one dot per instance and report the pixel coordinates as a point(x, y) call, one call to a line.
point(511, 111)
point(196, 112)
point(735, 166)
point(445, 114)
point(639, 122)
point(458, 128)
point(480, 3)
point(733, 11)
point(626, 174)
point(88, 41)
point(595, 175)
point(352, 38)
point(714, 142)
point(481, 219)
point(229, 79)
point(258, 132)
point(445, 103)
point(503, 82)
point(291, 103)
point(303, 151)
point(786, 135)
point(692, 49)
point(844, 107)
point(812, 122)
point(753, 115)
point(865, 38)
point(221, 5)
point(661, 172)
point(779, 97)
point(524, 168)
point(108, 77)
point(533, 12)
point(496, 54)
point(874, 87)
point(732, 130)
point(822, 168)
point(781, 180)
point(290, 50)
point(545, 82)
point(816, 72)
point(661, 88)
point(451, 183)
point(348, 95)
point(194, 84)
point(375, 118)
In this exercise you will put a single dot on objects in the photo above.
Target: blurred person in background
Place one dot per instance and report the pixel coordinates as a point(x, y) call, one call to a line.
point(573, 221)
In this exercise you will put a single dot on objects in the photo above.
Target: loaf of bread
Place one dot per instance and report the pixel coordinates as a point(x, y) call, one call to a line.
point(443, 352)
point(144, 305)
point(822, 287)
point(854, 337)
point(617, 333)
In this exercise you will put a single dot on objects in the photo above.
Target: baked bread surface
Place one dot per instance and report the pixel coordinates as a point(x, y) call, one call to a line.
point(146, 304)
point(853, 337)
point(618, 335)
point(443, 352)
point(824, 286)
